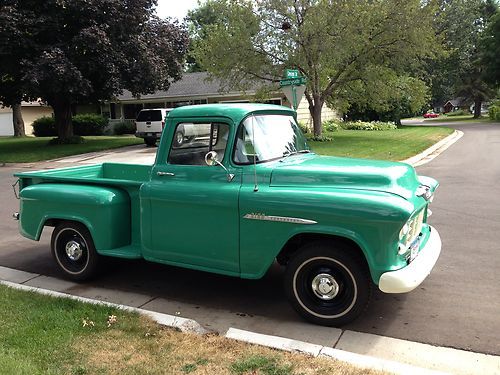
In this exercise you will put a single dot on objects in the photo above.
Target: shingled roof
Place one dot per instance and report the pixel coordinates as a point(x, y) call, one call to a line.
point(190, 85)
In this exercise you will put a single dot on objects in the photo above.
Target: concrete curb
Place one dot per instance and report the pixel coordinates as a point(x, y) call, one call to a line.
point(280, 343)
point(358, 360)
point(435, 150)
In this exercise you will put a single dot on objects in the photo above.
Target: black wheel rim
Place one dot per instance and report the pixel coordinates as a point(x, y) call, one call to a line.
point(335, 306)
point(71, 251)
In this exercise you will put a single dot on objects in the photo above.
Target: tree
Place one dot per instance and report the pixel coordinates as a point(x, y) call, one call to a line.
point(332, 43)
point(382, 94)
point(199, 21)
point(490, 51)
point(460, 72)
point(12, 51)
point(86, 51)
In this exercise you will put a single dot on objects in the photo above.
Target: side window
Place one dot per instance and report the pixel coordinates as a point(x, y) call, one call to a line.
point(192, 141)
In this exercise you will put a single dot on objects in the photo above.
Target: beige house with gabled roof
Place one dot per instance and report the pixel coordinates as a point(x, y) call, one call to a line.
point(196, 88)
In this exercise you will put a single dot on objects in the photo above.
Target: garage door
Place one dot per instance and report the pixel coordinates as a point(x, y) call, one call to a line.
point(6, 127)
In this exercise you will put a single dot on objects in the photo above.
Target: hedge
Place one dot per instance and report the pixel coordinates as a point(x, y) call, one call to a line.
point(84, 124)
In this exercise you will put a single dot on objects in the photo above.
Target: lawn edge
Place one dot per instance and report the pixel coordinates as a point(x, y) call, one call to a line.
point(280, 343)
point(435, 150)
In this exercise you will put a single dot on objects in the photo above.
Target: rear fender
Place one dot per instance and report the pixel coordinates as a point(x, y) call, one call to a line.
point(104, 211)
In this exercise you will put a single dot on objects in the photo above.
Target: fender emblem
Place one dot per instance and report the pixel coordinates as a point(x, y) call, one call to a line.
point(282, 219)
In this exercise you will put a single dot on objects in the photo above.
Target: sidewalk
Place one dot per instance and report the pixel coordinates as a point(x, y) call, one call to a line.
point(360, 349)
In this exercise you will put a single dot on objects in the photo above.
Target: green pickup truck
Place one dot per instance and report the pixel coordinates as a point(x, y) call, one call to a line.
point(242, 191)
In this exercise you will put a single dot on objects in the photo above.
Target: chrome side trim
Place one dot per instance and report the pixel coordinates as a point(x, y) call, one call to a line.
point(283, 219)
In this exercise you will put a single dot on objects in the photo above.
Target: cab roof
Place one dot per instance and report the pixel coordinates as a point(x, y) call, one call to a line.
point(234, 111)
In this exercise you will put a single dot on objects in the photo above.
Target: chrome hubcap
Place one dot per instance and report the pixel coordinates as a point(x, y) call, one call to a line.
point(324, 286)
point(73, 250)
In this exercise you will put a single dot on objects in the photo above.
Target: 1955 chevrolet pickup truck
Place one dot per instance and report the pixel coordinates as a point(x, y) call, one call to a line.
point(241, 192)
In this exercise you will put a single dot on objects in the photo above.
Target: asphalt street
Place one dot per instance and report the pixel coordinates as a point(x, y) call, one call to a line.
point(457, 306)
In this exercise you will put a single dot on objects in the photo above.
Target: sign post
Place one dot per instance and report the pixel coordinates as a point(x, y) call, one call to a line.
point(293, 86)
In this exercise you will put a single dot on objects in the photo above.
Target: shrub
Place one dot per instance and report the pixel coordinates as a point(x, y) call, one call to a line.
point(124, 128)
point(458, 113)
point(303, 127)
point(89, 124)
point(364, 125)
point(85, 124)
point(494, 111)
point(331, 126)
point(44, 127)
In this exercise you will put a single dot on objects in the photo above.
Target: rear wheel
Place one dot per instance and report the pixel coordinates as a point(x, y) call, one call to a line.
point(74, 252)
point(151, 142)
point(328, 284)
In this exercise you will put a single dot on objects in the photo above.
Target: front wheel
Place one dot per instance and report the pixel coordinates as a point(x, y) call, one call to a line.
point(74, 252)
point(328, 284)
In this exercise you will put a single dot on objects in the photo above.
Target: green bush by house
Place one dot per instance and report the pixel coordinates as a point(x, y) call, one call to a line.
point(124, 128)
point(89, 124)
point(494, 111)
point(84, 125)
point(44, 127)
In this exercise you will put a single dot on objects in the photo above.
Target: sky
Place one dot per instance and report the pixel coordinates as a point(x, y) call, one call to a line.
point(175, 8)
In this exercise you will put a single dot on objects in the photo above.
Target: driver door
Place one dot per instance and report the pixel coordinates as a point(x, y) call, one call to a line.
point(193, 207)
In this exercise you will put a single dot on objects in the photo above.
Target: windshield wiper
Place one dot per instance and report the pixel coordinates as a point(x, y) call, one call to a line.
point(288, 153)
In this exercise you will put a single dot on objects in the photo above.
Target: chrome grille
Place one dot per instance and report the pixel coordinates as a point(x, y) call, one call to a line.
point(415, 225)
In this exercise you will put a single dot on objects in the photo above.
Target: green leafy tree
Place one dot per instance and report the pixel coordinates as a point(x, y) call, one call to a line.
point(490, 51)
point(86, 51)
point(332, 43)
point(12, 50)
point(382, 94)
point(460, 72)
point(199, 21)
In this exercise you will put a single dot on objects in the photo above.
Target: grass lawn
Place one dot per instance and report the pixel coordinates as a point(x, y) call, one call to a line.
point(31, 149)
point(46, 335)
point(396, 144)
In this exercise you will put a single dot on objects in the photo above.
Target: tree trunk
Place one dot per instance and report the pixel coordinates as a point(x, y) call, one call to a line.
point(62, 116)
point(315, 111)
point(17, 120)
point(477, 108)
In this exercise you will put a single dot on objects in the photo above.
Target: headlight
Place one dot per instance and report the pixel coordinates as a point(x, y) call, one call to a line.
point(404, 231)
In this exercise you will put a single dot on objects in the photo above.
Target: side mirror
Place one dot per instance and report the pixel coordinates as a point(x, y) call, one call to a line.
point(211, 160)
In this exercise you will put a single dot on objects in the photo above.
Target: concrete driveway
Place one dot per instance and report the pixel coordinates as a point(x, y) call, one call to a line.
point(457, 306)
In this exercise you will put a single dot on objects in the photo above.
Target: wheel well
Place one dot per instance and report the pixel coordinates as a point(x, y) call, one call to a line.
point(294, 243)
point(55, 222)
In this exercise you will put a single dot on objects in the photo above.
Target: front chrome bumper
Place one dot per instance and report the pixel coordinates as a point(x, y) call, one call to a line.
point(408, 278)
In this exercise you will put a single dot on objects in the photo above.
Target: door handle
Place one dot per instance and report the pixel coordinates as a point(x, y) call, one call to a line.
point(165, 173)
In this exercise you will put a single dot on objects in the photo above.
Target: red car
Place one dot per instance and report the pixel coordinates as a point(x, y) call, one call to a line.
point(431, 115)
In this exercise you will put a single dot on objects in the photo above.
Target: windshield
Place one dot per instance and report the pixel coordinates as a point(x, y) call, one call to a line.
point(268, 137)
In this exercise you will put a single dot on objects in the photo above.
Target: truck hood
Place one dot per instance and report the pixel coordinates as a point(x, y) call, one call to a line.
point(346, 173)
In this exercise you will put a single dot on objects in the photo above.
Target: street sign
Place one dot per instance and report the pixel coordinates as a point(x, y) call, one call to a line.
point(292, 73)
point(294, 94)
point(293, 81)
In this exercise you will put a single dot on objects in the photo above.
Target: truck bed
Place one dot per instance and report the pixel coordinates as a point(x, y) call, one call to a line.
point(43, 185)
point(107, 173)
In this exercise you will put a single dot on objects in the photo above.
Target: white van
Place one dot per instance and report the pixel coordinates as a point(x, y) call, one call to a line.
point(150, 123)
